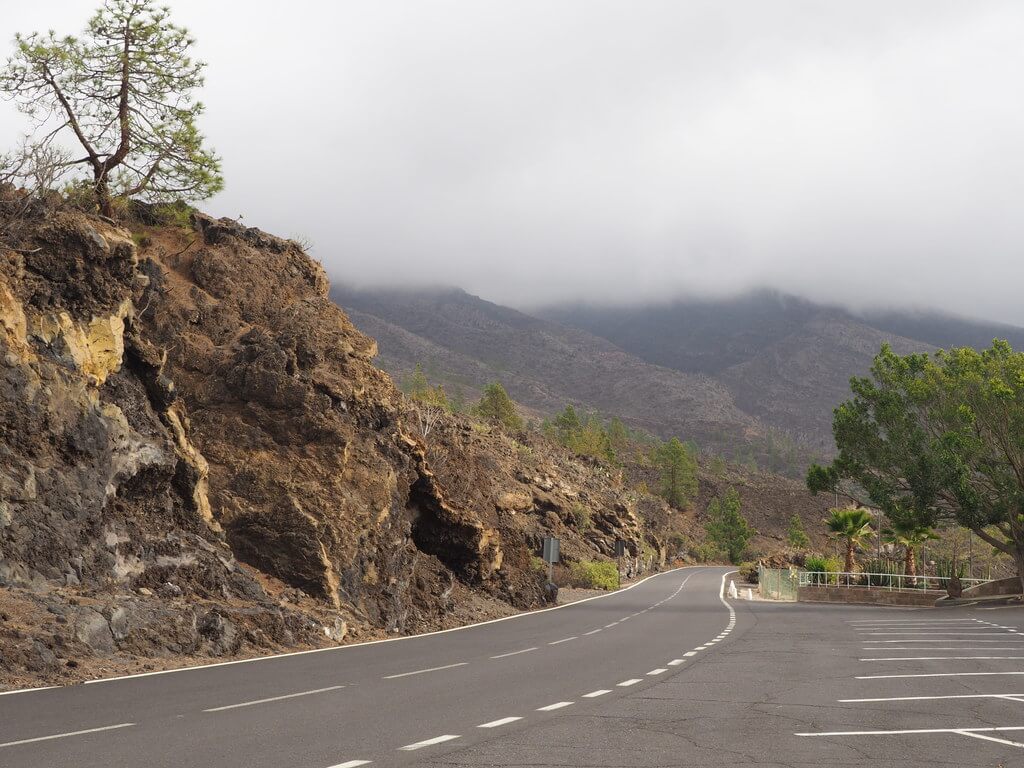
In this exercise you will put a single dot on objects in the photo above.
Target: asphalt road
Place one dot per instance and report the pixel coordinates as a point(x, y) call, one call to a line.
point(663, 674)
point(373, 702)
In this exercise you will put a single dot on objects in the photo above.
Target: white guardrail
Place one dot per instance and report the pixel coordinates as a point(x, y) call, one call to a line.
point(892, 581)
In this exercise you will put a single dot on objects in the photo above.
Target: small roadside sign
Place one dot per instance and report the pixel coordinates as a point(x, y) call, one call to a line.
point(550, 549)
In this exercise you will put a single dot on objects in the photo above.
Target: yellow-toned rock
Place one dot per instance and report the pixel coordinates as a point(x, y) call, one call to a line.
point(96, 349)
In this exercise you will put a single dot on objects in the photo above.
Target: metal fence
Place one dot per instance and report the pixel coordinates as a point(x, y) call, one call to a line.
point(777, 583)
point(887, 581)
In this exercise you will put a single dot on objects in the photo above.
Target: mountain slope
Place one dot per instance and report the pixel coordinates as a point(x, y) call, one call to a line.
point(469, 342)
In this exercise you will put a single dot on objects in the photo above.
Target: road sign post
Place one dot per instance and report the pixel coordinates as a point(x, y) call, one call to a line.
point(620, 550)
point(550, 552)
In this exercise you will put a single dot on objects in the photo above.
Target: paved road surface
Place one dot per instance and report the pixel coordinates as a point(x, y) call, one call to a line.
point(665, 673)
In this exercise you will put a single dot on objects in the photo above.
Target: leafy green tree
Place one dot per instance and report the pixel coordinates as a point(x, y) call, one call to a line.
point(677, 472)
point(497, 407)
point(124, 92)
point(567, 424)
point(726, 528)
point(851, 526)
point(908, 534)
point(938, 438)
point(796, 535)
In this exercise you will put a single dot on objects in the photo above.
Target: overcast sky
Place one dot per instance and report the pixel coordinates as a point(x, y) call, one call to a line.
point(530, 152)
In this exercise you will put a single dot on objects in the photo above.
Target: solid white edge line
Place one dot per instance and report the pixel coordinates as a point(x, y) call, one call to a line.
point(497, 723)
point(553, 707)
point(593, 631)
point(65, 735)
point(424, 671)
point(29, 690)
point(428, 742)
point(595, 694)
point(273, 698)
point(385, 640)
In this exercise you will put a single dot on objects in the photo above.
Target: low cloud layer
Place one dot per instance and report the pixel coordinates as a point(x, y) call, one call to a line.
point(536, 151)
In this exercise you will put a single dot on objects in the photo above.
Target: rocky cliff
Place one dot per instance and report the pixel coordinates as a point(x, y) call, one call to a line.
point(198, 458)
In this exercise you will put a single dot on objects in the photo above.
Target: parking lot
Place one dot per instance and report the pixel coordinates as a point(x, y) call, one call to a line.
point(934, 677)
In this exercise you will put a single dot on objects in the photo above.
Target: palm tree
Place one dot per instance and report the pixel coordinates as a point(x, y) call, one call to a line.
point(851, 526)
point(909, 535)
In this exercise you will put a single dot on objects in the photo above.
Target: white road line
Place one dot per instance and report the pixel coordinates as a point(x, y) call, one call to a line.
point(29, 690)
point(933, 698)
point(595, 694)
point(65, 735)
point(907, 621)
point(428, 742)
point(931, 649)
point(658, 671)
point(990, 738)
point(963, 731)
point(1000, 640)
point(941, 658)
point(627, 683)
point(352, 764)
point(424, 671)
point(701, 648)
point(675, 662)
point(932, 634)
point(274, 698)
point(497, 723)
point(609, 626)
point(513, 653)
point(524, 614)
point(690, 653)
point(564, 640)
point(593, 631)
point(937, 674)
point(553, 707)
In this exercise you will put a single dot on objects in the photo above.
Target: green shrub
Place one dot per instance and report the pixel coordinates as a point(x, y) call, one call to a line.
point(709, 553)
point(579, 517)
point(748, 572)
point(592, 574)
point(818, 564)
point(538, 565)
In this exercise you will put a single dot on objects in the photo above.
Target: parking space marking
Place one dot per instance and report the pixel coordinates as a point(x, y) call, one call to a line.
point(936, 674)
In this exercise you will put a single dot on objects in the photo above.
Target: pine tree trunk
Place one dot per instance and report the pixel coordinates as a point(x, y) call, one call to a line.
point(103, 199)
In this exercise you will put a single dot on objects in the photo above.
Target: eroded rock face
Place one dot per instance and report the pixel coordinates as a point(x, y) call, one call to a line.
point(198, 457)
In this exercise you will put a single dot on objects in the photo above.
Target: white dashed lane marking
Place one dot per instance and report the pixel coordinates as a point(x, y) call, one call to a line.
point(627, 683)
point(497, 723)
point(65, 735)
point(274, 698)
point(658, 671)
point(593, 631)
point(595, 694)
point(553, 707)
point(564, 640)
point(352, 764)
point(424, 671)
point(429, 742)
point(513, 653)
point(675, 662)
point(690, 653)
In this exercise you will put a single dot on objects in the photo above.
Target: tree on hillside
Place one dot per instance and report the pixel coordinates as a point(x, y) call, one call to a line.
point(726, 528)
point(938, 438)
point(123, 92)
point(567, 424)
point(677, 472)
point(796, 535)
point(497, 407)
point(851, 526)
point(908, 534)
point(429, 404)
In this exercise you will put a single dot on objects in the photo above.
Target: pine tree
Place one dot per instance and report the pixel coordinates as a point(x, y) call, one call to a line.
point(796, 534)
point(677, 470)
point(497, 407)
point(726, 528)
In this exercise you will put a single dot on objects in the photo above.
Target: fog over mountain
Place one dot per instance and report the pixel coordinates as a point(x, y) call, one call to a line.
point(535, 152)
